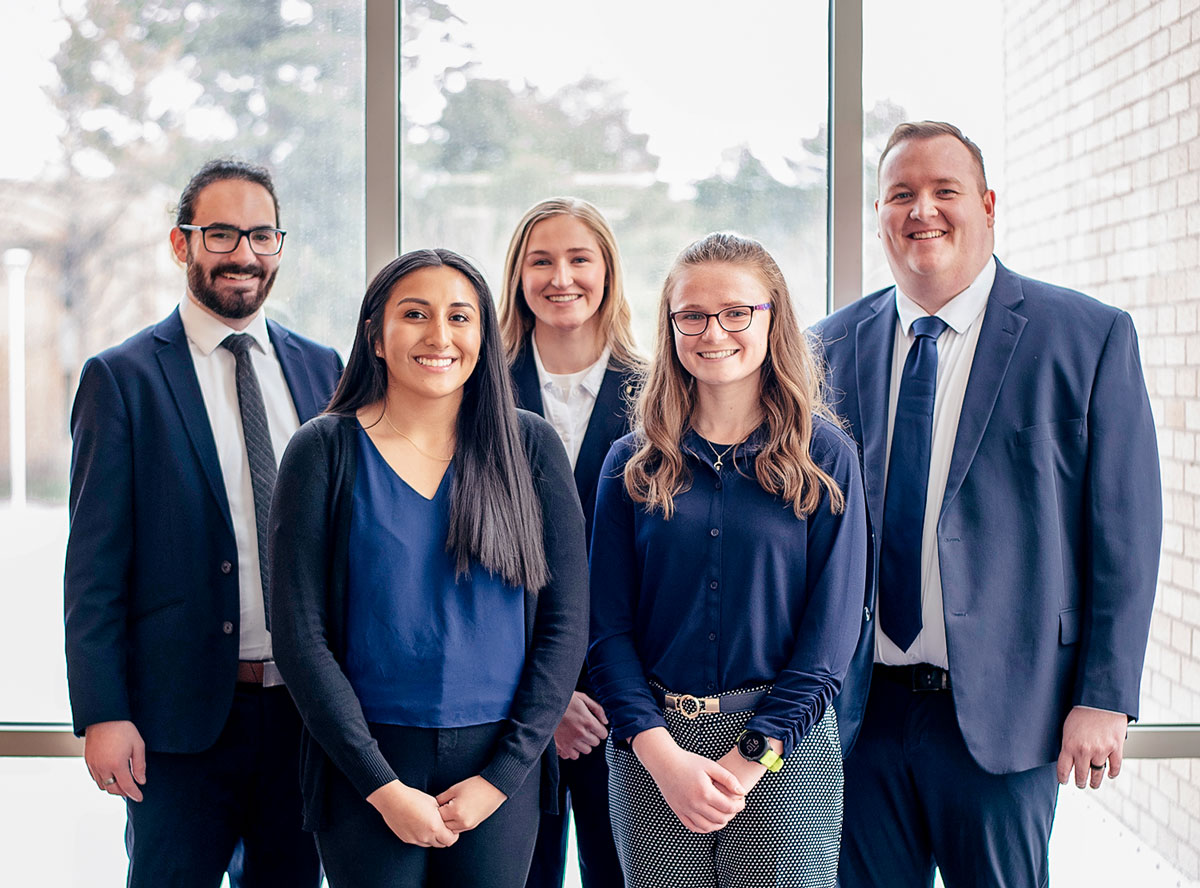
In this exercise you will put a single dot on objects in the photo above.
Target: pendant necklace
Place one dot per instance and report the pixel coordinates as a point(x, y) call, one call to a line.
point(720, 456)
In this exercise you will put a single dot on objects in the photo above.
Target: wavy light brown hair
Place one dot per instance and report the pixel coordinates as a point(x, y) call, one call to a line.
point(516, 319)
point(791, 389)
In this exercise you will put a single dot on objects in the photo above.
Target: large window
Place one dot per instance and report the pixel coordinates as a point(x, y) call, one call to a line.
point(118, 103)
point(674, 120)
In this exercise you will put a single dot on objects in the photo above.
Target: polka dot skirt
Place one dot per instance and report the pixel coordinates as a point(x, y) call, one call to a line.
point(786, 837)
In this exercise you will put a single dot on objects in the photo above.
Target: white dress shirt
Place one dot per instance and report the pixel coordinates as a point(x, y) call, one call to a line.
point(215, 370)
point(956, 351)
point(568, 398)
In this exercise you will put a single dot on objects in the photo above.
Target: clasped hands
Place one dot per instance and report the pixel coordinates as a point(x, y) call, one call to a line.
point(704, 794)
point(418, 818)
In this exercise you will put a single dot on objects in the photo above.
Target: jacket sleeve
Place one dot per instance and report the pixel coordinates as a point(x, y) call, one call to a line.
point(556, 652)
point(99, 550)
point(1123, 528)
point(301, 545)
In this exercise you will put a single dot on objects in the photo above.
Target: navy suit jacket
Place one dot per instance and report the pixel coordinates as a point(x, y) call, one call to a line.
point(151, 582)
point(1050, 527)
point(609, 420)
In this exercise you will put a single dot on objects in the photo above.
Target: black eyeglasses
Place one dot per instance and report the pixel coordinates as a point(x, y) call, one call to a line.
point(225, 238)
point(733, 319)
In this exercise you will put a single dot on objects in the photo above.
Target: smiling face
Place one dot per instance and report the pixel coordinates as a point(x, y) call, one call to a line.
point(716, 357)
point(232, 286)
point(563, 273)
point(936, 226)
point(431, 334)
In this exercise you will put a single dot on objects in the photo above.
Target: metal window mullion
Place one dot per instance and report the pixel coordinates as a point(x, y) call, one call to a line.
point(845, 225)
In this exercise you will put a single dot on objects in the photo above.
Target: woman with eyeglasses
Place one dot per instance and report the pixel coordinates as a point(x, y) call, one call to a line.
point(569, 339)
point(429, 586)
point(728, 566)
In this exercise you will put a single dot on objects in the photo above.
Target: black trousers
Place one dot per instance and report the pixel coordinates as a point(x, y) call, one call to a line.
point(915, 798)
point(244, 789)
point(360, 851)
point(584, 792)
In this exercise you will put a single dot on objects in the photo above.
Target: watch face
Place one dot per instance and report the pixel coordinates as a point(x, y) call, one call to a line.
point(752, 745)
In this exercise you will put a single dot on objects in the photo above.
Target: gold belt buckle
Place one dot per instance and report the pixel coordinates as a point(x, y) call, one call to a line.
point(682, 702)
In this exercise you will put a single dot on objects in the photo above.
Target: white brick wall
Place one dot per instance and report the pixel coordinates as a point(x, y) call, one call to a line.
point(1102, 155)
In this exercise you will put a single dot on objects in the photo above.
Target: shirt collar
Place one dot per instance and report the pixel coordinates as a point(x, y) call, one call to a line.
point(960, 312)
point(207, 332)
point(592, 379)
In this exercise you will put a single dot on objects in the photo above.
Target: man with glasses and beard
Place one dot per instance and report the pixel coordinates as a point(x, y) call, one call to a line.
point(177, 433)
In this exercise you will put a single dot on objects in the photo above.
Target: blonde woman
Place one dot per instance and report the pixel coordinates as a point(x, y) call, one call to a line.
point(569, 340)
point(728, 566)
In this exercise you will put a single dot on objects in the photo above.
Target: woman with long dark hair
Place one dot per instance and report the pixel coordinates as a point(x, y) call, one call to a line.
point(569, 339)
point(728, 565)
point(428, 591)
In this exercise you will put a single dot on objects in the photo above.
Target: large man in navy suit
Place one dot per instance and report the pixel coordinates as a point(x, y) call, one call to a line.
point(177, 432)
point(1026, 524)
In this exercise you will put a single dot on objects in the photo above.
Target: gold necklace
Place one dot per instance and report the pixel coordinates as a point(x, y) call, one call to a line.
point(418, 447)
point(720, 456)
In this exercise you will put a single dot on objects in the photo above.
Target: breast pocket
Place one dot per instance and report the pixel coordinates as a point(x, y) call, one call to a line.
point(1059, 430)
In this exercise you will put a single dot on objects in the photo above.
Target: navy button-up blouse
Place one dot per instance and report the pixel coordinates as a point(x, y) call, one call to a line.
point(734, 591)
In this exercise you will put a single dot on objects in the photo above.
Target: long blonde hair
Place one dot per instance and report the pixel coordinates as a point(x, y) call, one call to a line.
point(516, 319)
point(791, 389)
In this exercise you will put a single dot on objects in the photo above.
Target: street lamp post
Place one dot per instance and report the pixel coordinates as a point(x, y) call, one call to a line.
point(16, 263)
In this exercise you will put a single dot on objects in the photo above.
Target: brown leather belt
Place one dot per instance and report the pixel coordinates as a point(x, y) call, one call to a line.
point(259, 672)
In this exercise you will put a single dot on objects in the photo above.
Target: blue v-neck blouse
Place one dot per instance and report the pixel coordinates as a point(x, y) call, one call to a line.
point(734, 591)
point(423, 648)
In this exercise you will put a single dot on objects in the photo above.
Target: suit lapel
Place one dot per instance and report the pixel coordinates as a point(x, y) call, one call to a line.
point(606, 424)
point(998, 339)
point(180, 373)
point(874, 338)
point(295, 373)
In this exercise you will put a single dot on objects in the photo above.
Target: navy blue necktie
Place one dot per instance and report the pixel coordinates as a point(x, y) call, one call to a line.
point(260, 452)
point(907, 482)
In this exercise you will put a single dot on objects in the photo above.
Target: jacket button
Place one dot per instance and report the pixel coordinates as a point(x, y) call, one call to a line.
point(714, 532)
point(226, 566)
point(866, 614)
point(227, 627)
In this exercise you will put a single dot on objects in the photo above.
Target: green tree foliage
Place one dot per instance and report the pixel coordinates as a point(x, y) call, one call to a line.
point(150, 89)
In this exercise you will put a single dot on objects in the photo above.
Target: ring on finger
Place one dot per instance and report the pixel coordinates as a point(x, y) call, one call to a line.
point(104, 784)
point(1099, 767)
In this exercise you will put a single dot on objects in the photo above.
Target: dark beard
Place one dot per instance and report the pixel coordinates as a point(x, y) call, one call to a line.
point(228, 305)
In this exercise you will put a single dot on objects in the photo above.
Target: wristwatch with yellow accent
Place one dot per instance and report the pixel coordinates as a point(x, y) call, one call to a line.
point(754, 747)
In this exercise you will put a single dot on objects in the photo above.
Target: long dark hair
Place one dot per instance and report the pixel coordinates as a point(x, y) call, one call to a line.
point(495, 515)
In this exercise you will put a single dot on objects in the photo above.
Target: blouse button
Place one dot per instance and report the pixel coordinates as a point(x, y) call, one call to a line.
point(226, 567)
point(227, 627)
point(718, 484)
point(714, 532)
point(712, 636)
point(711, 685)
point(713, 584)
